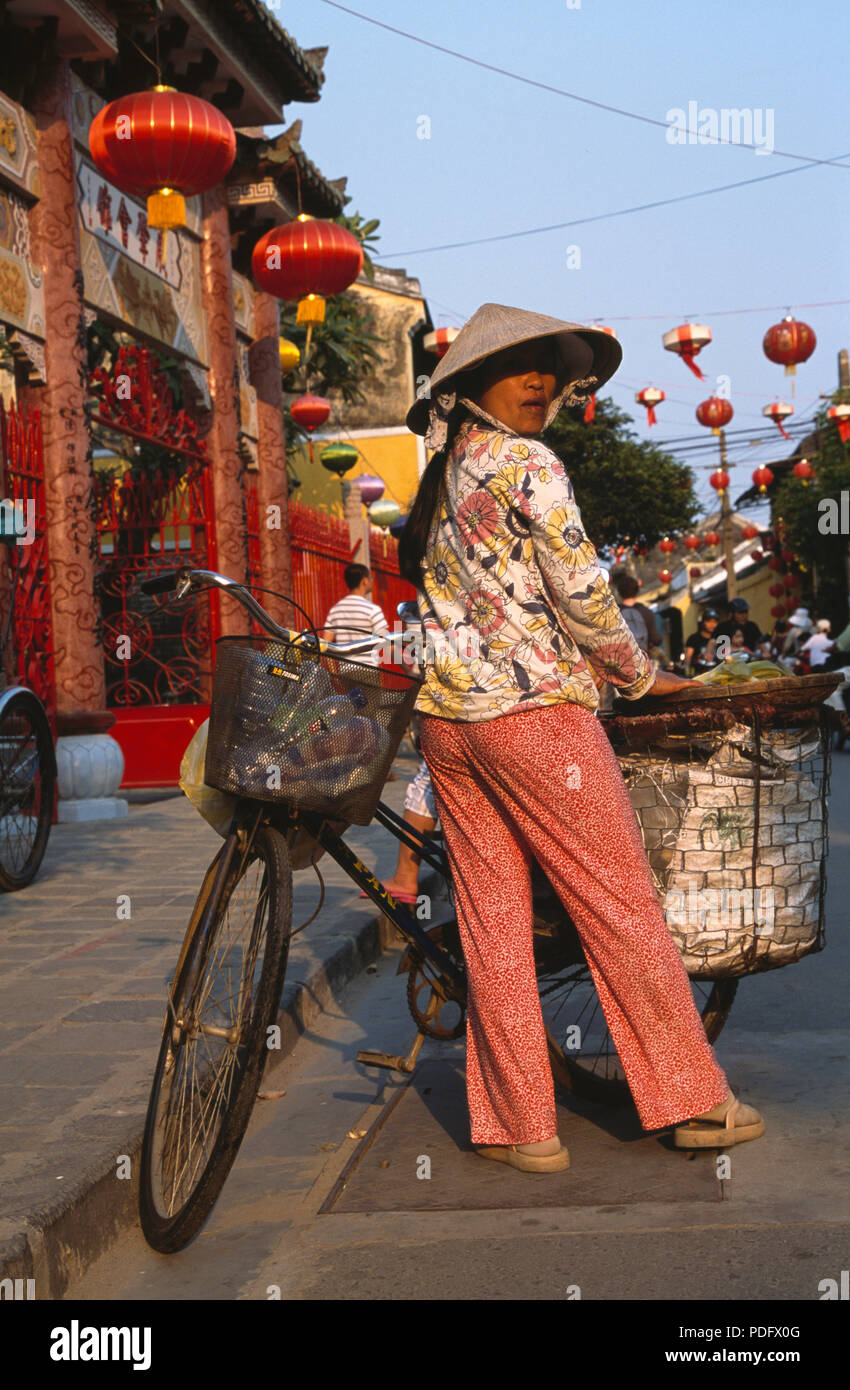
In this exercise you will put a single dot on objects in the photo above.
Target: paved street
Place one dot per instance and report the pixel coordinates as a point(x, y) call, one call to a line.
point(314, 1213)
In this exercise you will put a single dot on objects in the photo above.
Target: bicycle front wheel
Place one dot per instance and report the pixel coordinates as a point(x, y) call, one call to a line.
point(226, 994)
point(27, 783)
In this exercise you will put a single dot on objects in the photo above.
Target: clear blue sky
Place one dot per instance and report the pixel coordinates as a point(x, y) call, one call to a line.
point(503, 157)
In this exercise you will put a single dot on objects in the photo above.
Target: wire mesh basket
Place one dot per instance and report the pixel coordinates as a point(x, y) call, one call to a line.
point(317, 731)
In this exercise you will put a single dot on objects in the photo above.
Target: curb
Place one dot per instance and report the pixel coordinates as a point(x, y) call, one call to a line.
point(60, 1241)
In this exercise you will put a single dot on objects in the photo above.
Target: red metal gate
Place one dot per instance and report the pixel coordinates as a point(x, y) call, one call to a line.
point(388, 587)
point(153, 498)
point(321, 549)
point(24, 567)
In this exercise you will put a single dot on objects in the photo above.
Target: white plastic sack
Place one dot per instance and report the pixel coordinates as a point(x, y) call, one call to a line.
point(216, 807)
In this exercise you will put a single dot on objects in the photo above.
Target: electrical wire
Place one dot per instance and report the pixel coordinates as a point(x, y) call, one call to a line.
point(559, 91)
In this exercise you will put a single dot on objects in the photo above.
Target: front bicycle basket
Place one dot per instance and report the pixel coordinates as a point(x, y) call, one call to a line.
point(289, 725)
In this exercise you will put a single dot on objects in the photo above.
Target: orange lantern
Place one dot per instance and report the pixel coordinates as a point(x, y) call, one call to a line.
point(804, 471)
point(763, 477)
point(719, 480)
point(841, 415)
point(712, 538)
point(715, 412)
point(650, 397)
point(307, 259)
point(164, 145)
point(665, 576)
point(666, 546)
point(778, 411)
point(686, 341)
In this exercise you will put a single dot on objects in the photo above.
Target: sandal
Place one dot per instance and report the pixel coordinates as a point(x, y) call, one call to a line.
point(409, 898)
point(527, 1163)
point(718, 1134)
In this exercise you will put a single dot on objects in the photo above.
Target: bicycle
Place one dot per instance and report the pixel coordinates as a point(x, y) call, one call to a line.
point(228, 981)
point(27, 771)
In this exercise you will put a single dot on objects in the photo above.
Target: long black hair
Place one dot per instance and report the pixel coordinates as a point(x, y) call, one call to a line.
point(413, 541)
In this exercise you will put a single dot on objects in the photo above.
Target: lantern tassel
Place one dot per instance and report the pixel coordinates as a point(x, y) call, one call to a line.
point(782, 430)
point(590, 411)
point(650, 415)
point(688, 359)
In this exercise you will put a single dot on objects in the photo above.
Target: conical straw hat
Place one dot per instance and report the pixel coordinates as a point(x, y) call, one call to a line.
point(583, 352)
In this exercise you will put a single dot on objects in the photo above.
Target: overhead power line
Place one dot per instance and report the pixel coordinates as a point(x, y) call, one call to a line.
point(561, 92)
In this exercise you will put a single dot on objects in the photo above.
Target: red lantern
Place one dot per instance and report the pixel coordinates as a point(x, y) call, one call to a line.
point(712, 538)
point(650, 397)
point(310, 411)
point(164, 145)
point(666, 546)
point(686, 341)
point(776, 590)
point(719, 480)
point(804, 471)
point(788, 556)
point(695, 571)
point(693, 542)
point(665, 576)
point(779, 610)
point(841, 415)
point(757, 555)
point(788, 343)
point(778, 411)
point(790, 581)
point(749, 532)
point(307, 259)
point(715, 412)
point(762, 477)
point(774, 563)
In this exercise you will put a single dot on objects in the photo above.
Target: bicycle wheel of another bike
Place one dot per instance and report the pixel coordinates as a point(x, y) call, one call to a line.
point(27, 782)
point(225, 995)
point(581, 1050)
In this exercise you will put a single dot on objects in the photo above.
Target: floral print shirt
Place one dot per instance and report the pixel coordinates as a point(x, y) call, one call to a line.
point(516, 611)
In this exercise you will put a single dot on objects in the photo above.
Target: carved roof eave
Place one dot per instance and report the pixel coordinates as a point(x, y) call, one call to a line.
point(253, 39)
point(284, 163)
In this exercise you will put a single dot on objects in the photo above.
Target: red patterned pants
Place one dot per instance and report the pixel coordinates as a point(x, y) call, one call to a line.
point(546, 782)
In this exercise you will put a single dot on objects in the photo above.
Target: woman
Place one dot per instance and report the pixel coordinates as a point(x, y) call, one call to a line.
point(700, 646)
point(522, 621)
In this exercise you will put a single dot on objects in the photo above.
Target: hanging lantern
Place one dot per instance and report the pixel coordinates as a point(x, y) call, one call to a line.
point(310, 411)
point(650, 397)
point(384, 513)
point(371, 487)
point(778, 610)
point(715, 412)
point(790, 581)
point(440, 340)
point(774, 563)
point(338, 458)
point(665, 576)
point(757, 555)
point(841, 415)
point(788, 556)
point(762, 477)
point(712, 538)
point(804, 471)
point(666, 546)
point(695, 571)
point(692, 542)
point(590, 408)
point(307, 259)
point(719, 480)
point(778, 411)
point(686, 341)
point(776, 590)
point(165, 146)
point(290, 356)
point(749, 532)
point(788, 343)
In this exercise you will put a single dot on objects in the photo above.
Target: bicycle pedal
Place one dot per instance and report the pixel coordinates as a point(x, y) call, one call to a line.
point(384, 1059)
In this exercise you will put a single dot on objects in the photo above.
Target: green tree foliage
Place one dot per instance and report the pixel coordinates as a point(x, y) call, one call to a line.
point(626, 489)
point(821, 550)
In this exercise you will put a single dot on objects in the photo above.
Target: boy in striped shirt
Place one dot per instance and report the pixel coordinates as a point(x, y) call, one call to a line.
point(354, 617)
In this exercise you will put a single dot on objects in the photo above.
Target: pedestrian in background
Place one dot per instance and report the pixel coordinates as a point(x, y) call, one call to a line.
point(355, 616)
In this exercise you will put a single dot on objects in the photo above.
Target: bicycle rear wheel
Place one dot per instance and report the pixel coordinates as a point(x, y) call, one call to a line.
point(27, 782)
point(226, 993)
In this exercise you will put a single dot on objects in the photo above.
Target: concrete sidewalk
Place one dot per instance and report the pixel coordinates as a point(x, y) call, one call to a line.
point(82, 1001)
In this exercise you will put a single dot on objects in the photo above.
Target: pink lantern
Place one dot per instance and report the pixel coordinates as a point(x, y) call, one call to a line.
point(371, 488)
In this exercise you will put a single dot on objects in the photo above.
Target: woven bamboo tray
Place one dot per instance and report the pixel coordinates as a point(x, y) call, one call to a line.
point(785, 700)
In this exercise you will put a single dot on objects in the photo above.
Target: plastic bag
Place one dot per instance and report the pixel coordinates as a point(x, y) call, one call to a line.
point(216, 807)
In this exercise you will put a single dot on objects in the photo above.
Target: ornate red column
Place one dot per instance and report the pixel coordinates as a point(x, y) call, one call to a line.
point(226, 464)
point(90, 762)
point(272, 483)
point(71, 532)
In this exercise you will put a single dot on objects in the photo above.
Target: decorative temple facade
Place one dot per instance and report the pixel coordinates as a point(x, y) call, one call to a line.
point(140, 375)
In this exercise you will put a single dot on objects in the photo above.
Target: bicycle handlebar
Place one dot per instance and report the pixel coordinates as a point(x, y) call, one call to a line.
point(187, 579)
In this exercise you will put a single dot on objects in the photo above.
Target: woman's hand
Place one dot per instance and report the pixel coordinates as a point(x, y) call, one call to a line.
point(666, 683)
